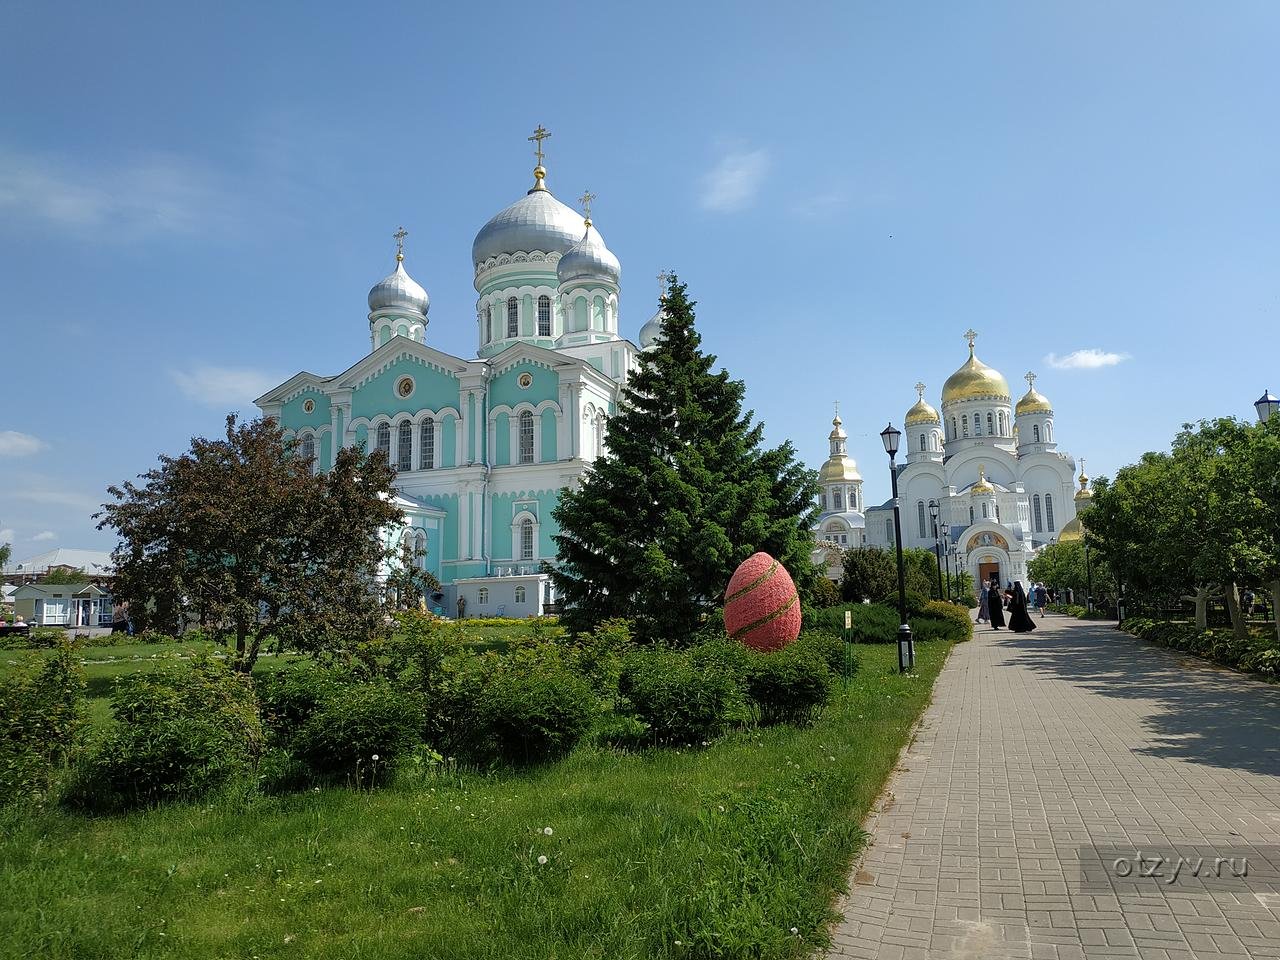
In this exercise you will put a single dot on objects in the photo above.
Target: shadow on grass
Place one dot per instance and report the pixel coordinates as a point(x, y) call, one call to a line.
point(1200, 713)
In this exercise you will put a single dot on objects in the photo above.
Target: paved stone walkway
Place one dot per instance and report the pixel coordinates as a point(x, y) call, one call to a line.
point(1045, 766)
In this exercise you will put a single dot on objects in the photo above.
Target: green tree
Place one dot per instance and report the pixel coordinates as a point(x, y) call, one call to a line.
point(407, 583)
point(6, 551)
point(870, 573)
point(63, 575)
point(1062, 566)
point(685, 492)
point(238, 533)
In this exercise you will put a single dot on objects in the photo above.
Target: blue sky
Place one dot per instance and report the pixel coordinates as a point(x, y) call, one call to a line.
point(195, 199)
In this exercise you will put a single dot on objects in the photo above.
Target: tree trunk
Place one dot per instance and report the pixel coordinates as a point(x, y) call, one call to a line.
point(1201, 598)
point(242, 633)
point(1275, 606)
point(1238, 626)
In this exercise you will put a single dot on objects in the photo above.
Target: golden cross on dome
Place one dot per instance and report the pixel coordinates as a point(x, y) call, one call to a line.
point(399, 236)
point(1030, 378)
point(585, 200)
point(920, 390)
point(971, 335)
point(539, 135)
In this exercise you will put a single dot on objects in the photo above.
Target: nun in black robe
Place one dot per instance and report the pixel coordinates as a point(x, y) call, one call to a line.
point(995, 605)
point(1019, 620)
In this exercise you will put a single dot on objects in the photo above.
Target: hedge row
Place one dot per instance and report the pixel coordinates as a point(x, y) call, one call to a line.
point(1077, 611)
point(1256, 654)
point(422, 696)
point(877, 623)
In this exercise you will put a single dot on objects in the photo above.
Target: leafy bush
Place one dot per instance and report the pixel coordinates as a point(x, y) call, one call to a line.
point(825, 593)
point(357, 732)
point(1257, 653)
point(871, 622)
point(291, 697)
point(788, 685)
point(523, 707)
point(41, 716)
point(940, 620)
point(682, 700)
point(830, 648)
point(177, 734)
point(47, 637)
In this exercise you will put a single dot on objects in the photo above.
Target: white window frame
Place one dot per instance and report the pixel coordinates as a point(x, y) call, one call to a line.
point(525, 452)
point(513, 317)
point(544, 316)
point(404, 446)
point(427, 444)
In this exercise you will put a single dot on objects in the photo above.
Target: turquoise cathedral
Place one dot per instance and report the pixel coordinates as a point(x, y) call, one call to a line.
point(482, 447)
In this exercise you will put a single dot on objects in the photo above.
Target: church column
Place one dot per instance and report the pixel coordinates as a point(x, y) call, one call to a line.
point(464, 524)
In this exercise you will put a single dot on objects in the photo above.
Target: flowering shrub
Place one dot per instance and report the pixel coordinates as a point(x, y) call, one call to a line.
point(788, 685)
point(681, 699)
point(177, 734)
point(41, 717)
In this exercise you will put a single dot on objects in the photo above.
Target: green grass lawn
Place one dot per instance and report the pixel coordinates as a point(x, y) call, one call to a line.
point(668, 853)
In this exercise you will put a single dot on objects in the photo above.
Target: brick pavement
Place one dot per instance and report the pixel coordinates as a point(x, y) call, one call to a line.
point(1075, 738)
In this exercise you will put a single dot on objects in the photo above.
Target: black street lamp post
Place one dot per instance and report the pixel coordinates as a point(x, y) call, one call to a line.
point(1088, 578)
point(906, 646)
point(1267, 406)
point(946, 552)
point(937, 544)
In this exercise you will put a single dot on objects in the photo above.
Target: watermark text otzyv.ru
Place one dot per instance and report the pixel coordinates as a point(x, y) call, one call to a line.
point(1257, 867)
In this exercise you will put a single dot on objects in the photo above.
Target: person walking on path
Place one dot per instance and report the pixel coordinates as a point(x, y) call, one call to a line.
point(1042, 598)
point(1019, 620)
point(995, 609)
point(984, 615)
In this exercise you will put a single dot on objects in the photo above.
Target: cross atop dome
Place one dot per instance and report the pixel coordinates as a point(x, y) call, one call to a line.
point(399, 236)
point(585, 200)
point(919, 390)
point(539, 172)
point(1030, 378)
point(970, 335)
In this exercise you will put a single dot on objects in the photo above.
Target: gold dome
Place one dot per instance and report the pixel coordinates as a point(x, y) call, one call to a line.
point(1072, 532)
point(839, 470)
point(1033, 401)
point(975, 381)
point(1084, 495)
point(922, 412)
point(982, 487)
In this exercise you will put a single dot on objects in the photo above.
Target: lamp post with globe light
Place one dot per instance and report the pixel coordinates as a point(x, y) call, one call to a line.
point(906, 646)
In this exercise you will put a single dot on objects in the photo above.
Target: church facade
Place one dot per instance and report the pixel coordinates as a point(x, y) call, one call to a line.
point(483, 446)
point(993, 468)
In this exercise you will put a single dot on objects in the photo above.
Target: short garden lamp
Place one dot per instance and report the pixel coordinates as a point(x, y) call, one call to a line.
point(906, 647)
point(1266, 405)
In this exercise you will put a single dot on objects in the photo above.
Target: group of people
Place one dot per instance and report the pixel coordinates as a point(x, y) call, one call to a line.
point(993, 602)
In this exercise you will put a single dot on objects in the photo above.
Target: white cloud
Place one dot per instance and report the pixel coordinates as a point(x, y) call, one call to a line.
point(44, 535)
point(1090, 359)
point(15, 444)
point(7, 535)
point(224, 386)
point(734, 182)
point(155, 194)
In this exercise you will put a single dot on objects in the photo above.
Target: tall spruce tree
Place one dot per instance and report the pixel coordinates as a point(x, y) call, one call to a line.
point(684, 493)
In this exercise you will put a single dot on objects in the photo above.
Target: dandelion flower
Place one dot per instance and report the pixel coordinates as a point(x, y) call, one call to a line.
point(542, 860)
point(794, 930)
point(548, 831)
point(375, 756)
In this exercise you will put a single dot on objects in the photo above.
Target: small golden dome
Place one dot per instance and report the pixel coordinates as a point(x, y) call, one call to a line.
point(1033, 402)
point(839, 470)
point(837, 429)
point(982, 487)
point(1084, 494)
point(975, 381)
point(922, 412)
point(1072, 532)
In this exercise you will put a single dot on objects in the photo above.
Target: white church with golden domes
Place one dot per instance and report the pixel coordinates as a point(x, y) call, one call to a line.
point(993, 468)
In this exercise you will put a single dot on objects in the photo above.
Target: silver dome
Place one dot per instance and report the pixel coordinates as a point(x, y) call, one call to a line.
point(589, 259)
point(650, 331)
point(399, 291)
point(537, 221)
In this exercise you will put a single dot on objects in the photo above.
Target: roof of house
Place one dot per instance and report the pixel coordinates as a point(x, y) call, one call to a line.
point(32, 590)
point(93, 562)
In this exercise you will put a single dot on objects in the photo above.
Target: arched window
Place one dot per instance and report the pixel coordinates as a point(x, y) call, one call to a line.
point(427, 445)
point(420, 549)
point(384, 440)
point(520, 594)
point(971, 515)
point(837, 499)
point(990, 423)
point(307, 448)
point(888, 531)
point(1035, 510)
point(488, 324)
point(1035, 432)
point(997, 513)
point(924, 531)
point(964, 424)
point(822, 500)
point(923, 443)
point(1048, 431)
point(526, 436)
point(977, 424)
point(1000, 419)
point(985, 515)
point(933, 523)
point(953, 428)
point(526, 539)
point(482, 596)
point(544, 316)
point(513, 317)
point(404, 446)
point(1048, 509)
